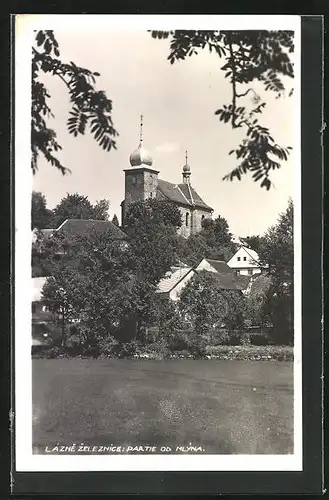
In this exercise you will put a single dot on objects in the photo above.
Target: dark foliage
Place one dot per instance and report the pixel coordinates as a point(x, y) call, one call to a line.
point(152, 226)
point(41, 216)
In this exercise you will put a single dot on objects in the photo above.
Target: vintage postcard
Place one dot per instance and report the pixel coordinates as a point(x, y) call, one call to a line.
point(157, 243)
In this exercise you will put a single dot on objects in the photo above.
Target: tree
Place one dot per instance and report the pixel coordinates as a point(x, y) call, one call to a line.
point(254, 242)
point(206, 309)
point(248, 56)
point(100, 210)
point(151, 226)
point(95, 283)
point(90, 107)
point(77, 206)
point(41, 216)
point(115, 220)
point(277, 252)
point(218, 237)
point(214, 241)
point(193, 249)
point(58, 293)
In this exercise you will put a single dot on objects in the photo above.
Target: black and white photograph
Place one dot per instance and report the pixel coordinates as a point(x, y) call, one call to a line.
point(158, 243)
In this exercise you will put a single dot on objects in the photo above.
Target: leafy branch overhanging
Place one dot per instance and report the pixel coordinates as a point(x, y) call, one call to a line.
point(249, 56)
point(90, 107)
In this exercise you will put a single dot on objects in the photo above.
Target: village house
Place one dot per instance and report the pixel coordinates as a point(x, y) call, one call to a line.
point(177, 278)
point(82, 227)
point(245, 262)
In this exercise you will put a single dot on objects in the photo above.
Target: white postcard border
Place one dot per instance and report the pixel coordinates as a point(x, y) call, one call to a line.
point(25, 460)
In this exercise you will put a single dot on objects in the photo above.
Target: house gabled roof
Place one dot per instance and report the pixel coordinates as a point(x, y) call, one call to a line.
point(225, 281)
point(82, 227)
point(172, 279)
point(182, 194)
point(253, 258)
point(220, 266)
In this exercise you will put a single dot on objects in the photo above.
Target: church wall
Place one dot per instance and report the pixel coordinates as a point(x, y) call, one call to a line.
point(185, 230)
point(198, 216)
point(194, 221)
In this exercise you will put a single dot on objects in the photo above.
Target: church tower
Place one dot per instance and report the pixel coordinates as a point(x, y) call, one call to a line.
point(141, 181)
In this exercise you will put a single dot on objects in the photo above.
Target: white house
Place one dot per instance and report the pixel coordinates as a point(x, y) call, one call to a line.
point(177, 278)
point(245, 262)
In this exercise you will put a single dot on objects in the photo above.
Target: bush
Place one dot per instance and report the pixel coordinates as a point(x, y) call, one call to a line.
point(223, 336)
point(52, 352)
point(186, 340)
point(128, 349)
point(261, 338)
point(250, 353)
point(108, 346)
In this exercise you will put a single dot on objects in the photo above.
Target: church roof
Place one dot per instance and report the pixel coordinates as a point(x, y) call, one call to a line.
point(183, 194)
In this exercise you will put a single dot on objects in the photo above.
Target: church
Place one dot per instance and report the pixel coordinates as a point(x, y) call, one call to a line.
point(142, 182)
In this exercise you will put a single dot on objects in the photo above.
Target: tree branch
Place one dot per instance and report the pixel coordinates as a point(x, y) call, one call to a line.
point(232, 60)
point(55, 71)
point(245, 93)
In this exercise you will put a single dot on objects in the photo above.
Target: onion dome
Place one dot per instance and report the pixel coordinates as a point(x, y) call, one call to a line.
point(186, 171)
point(141, 156)
point(186, 168)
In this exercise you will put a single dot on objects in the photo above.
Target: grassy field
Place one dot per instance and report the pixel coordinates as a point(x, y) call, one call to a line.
point(222, 406)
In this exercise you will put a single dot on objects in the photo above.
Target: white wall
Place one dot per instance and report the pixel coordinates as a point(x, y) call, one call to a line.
point(174, 293)
point(247, 271)
point(242, 260)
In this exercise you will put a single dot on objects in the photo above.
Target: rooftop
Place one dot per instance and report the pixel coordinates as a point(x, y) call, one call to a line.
point(225, 281)
point(183, 194)
point(172, 278)
point(88, 226)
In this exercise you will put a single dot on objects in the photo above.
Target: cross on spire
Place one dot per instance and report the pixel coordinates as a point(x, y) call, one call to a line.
point(186, 156)
point(141, 130)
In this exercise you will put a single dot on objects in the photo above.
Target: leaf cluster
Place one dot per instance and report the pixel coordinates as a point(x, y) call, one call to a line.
point(90, 108)
point(249, 55)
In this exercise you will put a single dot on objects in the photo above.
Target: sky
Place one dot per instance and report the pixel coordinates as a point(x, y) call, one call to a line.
point(178, 104)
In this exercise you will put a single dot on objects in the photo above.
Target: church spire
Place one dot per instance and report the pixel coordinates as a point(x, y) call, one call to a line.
point(141, 131)
point(186, 171)
point(140, 156)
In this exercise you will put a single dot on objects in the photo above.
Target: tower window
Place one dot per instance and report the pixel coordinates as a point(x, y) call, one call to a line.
point(187, 217)
point(134, 179)
point(202, 217)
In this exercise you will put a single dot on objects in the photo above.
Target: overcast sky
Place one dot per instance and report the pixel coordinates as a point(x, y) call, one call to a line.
point(178, 103)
